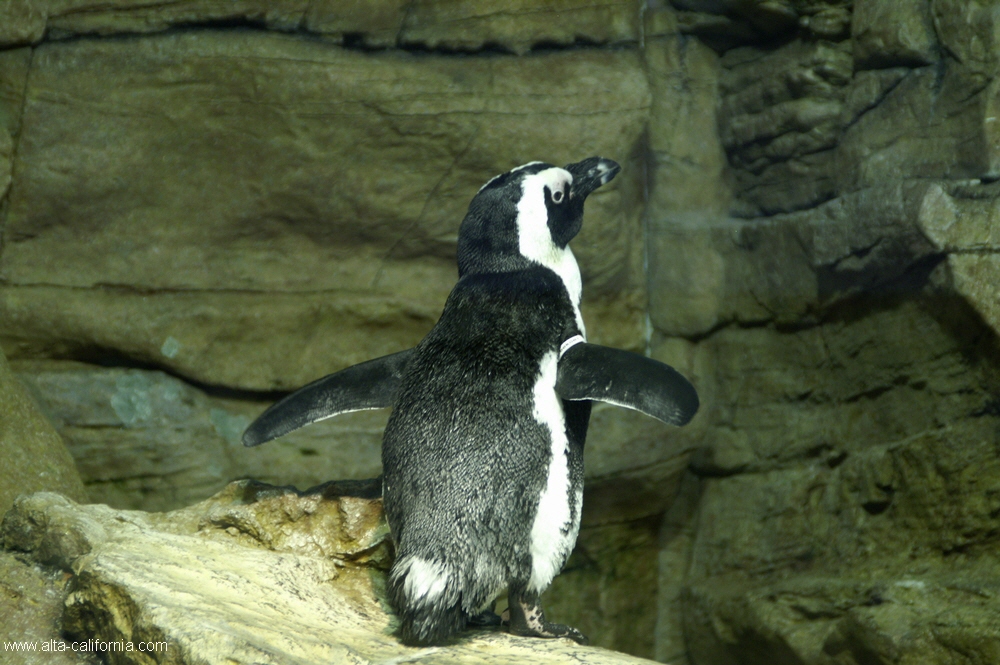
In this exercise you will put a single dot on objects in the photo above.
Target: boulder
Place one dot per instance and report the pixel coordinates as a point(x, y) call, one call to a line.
point(962, 223)
point(32, 455)
point(255, 574)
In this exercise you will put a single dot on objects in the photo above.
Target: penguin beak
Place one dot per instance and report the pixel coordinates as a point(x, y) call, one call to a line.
point(590, 174)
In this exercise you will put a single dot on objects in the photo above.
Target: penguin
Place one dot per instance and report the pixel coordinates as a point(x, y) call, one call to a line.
point(483, 452)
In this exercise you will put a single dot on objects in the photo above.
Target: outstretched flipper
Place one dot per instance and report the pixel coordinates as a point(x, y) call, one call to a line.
point(603, 374)
point(369, 385)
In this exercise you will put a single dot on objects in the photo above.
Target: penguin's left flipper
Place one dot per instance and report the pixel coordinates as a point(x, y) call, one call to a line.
point(603, 374)
point(369, 385)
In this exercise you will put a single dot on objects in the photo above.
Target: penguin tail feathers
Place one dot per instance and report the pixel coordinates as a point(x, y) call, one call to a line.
point(428, 600)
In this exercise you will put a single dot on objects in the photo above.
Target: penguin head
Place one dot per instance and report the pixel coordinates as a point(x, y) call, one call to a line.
point(528, 214)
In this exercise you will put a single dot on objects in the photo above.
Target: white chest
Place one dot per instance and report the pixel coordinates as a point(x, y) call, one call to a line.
point(557, 522)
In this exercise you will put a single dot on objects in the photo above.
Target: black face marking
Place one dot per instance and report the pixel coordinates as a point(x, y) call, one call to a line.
point(565, 217)
point(488, 238)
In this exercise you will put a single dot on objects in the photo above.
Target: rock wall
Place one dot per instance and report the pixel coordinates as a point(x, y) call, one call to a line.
point(839, 318)
point(205, 205)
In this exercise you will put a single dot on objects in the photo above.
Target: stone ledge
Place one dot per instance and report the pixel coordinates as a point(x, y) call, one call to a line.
point(469, 25)
point(256, 574)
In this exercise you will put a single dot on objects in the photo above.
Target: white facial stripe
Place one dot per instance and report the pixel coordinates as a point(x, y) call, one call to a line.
point(514, 170)
point(550, 547)
point(535, 239)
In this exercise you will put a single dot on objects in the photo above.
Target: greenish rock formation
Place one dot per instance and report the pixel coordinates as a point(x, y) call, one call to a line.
point(512, 25)
point(839, 321)
point(887, 34)
point(32, 455)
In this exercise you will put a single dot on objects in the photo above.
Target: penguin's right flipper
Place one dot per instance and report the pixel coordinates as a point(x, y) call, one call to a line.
point(603, 374)
point(369, 385)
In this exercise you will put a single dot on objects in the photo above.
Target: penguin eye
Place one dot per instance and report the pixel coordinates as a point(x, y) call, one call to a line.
point(557, 196)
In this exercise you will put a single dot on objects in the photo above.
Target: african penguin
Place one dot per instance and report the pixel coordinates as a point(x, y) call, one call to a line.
point(483, 452)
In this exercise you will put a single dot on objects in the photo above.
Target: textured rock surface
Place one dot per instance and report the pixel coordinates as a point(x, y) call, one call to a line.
point(254, 575)
point(31, 607)
point(518, 25)
point(842, 507)
point(888, 34)
point(962, 224)
point(32, 455)
point(145, 440)
point(846, 358)
point(601, 590)
point(808, 194)
point(782, 112)
point(514, 25)
point(278, 181)
point(817, 118)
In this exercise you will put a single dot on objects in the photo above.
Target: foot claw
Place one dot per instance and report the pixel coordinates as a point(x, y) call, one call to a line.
point(547, 629)
point(527, 619)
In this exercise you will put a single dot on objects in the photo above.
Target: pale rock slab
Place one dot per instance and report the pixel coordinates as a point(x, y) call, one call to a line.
point(245, 577)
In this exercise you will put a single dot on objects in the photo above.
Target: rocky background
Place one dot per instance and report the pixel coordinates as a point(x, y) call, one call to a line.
point(206, 205)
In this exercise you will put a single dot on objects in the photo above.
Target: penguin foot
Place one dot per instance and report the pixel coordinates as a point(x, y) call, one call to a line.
point(526, 619)
point(484, 619)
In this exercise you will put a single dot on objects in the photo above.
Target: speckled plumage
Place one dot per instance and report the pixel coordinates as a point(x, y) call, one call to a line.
point(482, 476)
point(483, 453)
